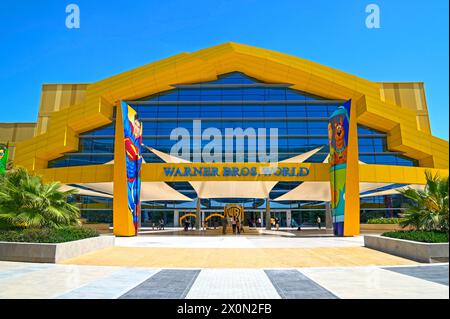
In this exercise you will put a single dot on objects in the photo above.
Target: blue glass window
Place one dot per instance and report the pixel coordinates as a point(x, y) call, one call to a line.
point(301, 122)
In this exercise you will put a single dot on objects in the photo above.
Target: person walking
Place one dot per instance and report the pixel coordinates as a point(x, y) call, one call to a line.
point(233, 224)
point(238, 226)
point(224, 225)
point(161, 223)
point(258, 222)
point(318, 222)
point(277, 223)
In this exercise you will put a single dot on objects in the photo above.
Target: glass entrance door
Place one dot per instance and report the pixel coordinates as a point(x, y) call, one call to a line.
point(281, 215)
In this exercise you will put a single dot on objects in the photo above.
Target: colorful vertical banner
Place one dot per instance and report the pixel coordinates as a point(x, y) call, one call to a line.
point(338, 132)
point(133, 149)
point(4, 153)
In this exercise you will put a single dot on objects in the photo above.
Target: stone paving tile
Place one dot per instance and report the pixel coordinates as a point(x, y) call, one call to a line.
point(222, 258)
point(10, 271)
point(113, 286)
point(51, 282)
point(26, 280)
point(166, 284)
point(232, 284)
point(438, 273)
point(374, 283)
point(291, 284)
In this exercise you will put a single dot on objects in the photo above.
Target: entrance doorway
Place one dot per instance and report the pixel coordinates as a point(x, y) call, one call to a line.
point(282, 217)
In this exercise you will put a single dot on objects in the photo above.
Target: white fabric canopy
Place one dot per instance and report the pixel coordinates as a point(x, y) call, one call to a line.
point(81, 191)
point(225, 189)
point(320, 191)
point(160, 191)
point(394, 191)
point(311, 191)
point(328, 156)
point(149, 191)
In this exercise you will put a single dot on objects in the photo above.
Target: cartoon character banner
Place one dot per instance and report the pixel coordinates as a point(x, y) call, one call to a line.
point(338, 131)
point(4, 152)
point(133, 148)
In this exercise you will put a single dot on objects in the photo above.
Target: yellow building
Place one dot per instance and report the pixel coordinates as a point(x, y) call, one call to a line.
point(229, 86)
point(12, 133)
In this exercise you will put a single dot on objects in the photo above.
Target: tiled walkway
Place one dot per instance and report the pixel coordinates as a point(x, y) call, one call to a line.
point(228, 267)
point(237, 258)
point(21, 280)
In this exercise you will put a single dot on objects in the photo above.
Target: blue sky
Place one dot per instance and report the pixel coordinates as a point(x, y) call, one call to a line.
point(115, 36)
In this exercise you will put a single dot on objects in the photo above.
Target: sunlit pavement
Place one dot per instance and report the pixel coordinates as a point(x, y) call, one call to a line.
point(21, 280)
point(237, 251)
point(231, 266)
point(237, 241)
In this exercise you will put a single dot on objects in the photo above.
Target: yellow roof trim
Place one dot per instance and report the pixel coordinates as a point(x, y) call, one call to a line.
point(205, 65)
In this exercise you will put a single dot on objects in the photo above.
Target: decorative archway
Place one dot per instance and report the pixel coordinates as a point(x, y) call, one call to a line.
point(213, 215)
point(186, 216)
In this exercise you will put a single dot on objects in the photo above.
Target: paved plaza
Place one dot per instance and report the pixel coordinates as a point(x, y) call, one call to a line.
point(22, 280)
point(233, 251)
point(228, 267)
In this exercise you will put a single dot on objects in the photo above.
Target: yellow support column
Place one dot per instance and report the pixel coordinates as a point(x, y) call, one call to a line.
point(351, 213)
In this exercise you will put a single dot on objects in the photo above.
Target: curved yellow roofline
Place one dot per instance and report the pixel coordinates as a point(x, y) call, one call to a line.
point(205, 65)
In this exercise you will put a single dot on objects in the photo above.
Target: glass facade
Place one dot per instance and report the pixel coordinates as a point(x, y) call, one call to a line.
point(236, 100)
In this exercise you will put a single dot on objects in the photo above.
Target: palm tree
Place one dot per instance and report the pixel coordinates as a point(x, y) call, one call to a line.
point(428, 209)
point(26, 202)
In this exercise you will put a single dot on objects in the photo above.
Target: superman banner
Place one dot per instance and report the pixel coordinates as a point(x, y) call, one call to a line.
point(133, 143)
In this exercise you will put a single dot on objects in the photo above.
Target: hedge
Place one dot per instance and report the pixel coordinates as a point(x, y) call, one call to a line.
point(384, 220)
point(419, 235)
point(47, 235)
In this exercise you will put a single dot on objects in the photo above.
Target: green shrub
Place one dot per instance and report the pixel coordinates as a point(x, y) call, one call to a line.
point(47, 235)
point(27, 202)
point(419, 235)
point(384, 220)
point(428, 208)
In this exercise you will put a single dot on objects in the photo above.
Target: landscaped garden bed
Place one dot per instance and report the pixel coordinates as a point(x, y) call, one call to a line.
point(381, 225)
point(419, 236)
point(40, 223)
point(47, 235)
point(425, 238)
point(424, 252)
point(102, 228)
point(40, 252)
point(384, 221)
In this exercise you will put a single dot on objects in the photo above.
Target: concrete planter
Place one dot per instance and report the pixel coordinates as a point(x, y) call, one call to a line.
point(52, 253)
point(421, 252)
